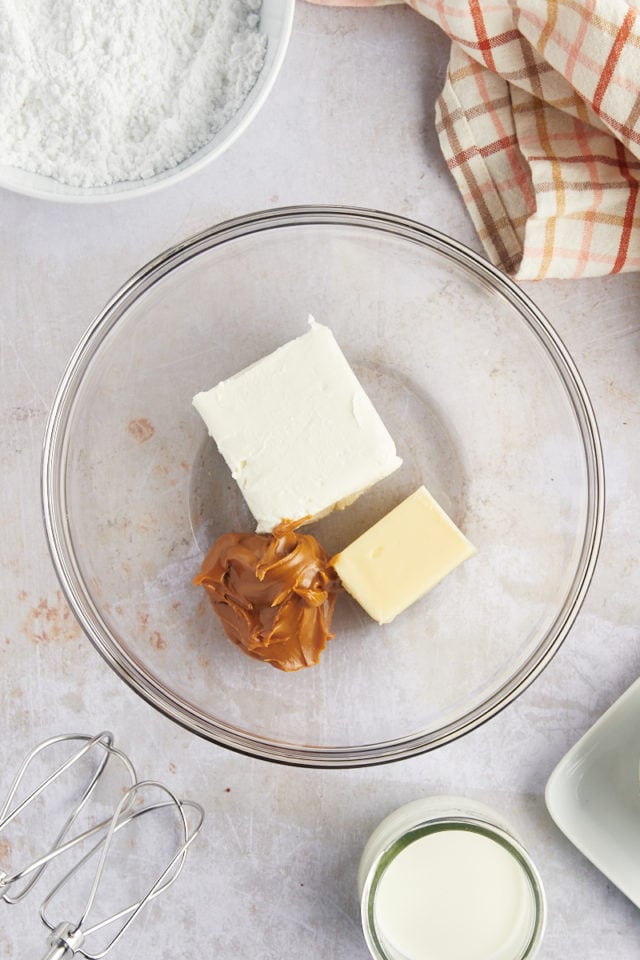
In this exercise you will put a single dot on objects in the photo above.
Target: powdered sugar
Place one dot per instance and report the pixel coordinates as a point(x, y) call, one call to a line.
point(94, 92)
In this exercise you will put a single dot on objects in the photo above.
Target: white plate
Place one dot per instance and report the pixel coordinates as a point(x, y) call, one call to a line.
point(594, 794)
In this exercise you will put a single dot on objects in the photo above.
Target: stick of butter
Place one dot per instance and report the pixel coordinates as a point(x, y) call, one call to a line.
point(402, 557)
point(298, 431)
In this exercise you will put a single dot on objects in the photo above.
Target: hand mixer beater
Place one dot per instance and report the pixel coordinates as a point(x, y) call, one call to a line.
point(67, 937)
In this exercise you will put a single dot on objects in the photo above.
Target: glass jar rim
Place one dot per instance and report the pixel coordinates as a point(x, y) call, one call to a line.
point(404, 838)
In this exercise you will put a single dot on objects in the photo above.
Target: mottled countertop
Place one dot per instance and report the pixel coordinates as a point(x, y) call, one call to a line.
point(349, 121)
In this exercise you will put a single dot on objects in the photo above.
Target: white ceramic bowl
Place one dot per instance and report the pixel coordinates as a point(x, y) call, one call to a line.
point(276, 20)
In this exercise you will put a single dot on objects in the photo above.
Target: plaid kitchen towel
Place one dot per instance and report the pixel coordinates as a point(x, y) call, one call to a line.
point(539, 123)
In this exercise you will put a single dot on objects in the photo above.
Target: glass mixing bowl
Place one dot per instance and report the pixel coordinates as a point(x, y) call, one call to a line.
point(487, 410)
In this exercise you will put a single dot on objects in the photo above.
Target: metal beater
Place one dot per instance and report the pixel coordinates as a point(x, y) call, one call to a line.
point(68, 937)
point(101, 743)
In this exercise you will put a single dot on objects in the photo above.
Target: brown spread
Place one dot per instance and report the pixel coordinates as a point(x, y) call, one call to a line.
point(274, 593)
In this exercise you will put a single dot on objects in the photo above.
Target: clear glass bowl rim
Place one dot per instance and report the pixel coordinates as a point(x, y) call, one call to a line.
point(55, 508)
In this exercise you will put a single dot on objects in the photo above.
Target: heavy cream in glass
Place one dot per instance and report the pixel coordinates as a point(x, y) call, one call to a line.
point(454, 894)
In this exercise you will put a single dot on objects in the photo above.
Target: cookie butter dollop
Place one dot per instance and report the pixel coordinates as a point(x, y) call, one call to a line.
point(274, 593)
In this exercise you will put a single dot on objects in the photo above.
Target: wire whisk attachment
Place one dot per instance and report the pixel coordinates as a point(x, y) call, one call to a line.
point(68, 937)
point(102, 746)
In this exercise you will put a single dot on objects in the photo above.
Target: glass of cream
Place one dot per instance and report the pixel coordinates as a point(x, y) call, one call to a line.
point(444, 878)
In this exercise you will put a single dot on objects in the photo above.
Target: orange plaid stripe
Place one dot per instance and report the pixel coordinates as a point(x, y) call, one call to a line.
point(539, 123)
point(614, 56)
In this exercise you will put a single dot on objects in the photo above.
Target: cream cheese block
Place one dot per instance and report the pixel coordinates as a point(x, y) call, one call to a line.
point(402, 557)
point(298, 431)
